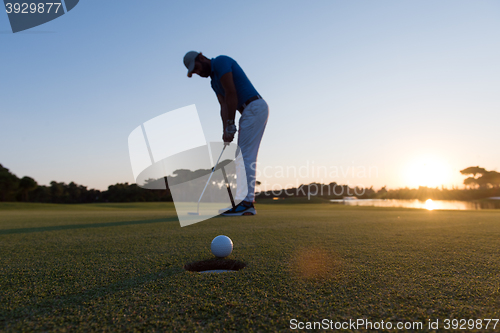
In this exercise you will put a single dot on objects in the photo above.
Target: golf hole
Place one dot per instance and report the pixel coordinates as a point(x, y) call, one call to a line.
point(216, 265)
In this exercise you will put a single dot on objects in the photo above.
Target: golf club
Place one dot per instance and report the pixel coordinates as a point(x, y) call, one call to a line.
point(208, 181)
point(228, 186)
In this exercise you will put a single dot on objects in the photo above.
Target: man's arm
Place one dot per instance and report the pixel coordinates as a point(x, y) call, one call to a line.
point(223, 111)
point(227, 133)
point(228, 105)
point(231, 99)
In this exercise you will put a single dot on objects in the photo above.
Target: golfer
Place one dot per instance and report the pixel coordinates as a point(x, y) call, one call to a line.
point(235, 92)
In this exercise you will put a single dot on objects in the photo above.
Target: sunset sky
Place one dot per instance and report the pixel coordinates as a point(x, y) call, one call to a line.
point(396, 93)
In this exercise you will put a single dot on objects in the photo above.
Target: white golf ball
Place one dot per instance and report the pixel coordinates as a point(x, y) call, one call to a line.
point(222, 246)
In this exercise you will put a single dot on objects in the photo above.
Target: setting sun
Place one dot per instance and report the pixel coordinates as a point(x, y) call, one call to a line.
point(430, 172)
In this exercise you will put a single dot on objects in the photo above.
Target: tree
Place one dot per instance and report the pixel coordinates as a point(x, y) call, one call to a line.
point(470, 181)
point(485, 178)
point(473, 171)
point(75, 192)
point(26, 185)
point(383, 190)
point(57, 192)
point(492, 178)
point(8, 184)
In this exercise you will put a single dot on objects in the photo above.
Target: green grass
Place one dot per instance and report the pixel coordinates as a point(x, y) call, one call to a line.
point(116, 267)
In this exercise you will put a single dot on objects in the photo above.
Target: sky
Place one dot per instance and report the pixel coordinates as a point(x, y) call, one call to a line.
point(367, 93)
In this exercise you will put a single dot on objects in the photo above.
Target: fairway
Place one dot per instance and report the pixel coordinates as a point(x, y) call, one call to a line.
point(116, 267)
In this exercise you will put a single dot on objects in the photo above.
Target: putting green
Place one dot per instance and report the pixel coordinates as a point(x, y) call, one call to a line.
point(120, 267)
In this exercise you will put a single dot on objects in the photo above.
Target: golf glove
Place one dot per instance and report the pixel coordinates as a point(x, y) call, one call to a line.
point(229, 132)
point(230, 127)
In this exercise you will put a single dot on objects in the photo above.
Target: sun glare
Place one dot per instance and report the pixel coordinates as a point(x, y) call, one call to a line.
point(429, 204)
point(429, 172)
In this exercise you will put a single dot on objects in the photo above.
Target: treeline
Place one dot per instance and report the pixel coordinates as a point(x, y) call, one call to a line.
point(482, 184)
point(336, 191)
point(27, 189)
point(423, 193)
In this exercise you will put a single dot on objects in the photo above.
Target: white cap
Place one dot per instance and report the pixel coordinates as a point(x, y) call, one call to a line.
point(189, 61)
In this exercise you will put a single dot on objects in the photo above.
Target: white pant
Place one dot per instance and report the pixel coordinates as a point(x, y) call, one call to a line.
point(251, 129)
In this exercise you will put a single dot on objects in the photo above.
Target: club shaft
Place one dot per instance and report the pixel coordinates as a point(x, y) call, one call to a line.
point(208, 181)
point(228, 186)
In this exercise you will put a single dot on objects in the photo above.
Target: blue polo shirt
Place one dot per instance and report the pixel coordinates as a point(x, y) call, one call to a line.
point(244, 88)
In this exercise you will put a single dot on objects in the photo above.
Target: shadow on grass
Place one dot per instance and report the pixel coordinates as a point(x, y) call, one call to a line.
point(83, 226)
point(61, 303)
point(215, 264)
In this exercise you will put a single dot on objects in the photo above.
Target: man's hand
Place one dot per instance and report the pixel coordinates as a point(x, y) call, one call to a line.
point(229, 131)
point(227, 138)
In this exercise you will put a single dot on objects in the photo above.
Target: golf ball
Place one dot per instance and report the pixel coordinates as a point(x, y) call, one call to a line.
point(222, 246)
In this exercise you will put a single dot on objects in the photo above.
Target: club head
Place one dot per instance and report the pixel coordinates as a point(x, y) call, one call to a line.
point(192, 213)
